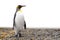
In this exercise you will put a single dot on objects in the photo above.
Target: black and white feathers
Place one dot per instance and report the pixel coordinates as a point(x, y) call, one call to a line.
point(18, 20)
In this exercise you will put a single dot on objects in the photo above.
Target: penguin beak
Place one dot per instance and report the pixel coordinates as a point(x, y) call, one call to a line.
point(23, 6)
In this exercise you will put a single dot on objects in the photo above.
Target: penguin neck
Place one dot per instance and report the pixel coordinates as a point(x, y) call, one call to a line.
point(19, 11)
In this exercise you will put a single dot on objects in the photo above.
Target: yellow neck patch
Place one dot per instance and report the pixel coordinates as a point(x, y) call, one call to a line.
point(20, 11)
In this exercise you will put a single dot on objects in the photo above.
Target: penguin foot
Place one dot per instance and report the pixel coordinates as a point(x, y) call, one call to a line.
point(20, 35)
point(16, 36)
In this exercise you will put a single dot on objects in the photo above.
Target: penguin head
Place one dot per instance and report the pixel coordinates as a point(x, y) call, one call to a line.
point(19, 7)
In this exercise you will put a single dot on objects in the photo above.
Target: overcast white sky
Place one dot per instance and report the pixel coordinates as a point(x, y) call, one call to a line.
point(37, 13)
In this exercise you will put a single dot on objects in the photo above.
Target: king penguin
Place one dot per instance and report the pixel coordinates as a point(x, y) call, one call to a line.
point(18, 21)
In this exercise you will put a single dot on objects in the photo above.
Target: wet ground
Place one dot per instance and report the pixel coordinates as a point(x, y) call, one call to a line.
point(30, 34)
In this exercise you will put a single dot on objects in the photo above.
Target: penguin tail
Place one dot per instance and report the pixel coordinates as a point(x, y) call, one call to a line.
point(24, 27)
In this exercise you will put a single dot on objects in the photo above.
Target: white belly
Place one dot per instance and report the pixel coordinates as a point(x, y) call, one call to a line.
point(19, 20)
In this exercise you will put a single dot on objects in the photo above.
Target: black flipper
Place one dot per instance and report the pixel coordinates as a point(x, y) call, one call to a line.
point(24, 25)
point(14, 19)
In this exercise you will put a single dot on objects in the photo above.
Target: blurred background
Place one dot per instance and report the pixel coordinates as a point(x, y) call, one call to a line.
point(37, 13)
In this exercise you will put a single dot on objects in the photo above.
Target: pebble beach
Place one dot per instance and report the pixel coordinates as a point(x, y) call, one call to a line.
point(30, 34)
